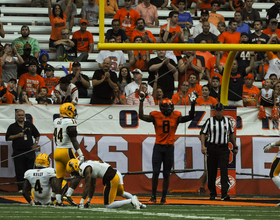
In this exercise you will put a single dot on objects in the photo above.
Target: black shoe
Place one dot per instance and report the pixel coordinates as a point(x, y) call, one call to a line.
point(225, 198)
point(202, 191)
point(69, 200)
point(163, 201)
point(152, 200)
point(59, 204)
point(212, 197)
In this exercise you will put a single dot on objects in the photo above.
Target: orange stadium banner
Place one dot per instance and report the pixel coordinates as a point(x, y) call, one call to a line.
point(115, 134)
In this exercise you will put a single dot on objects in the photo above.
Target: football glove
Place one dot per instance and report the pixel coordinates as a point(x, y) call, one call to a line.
point(268, 147)
point(193, 96)
point(142, 95)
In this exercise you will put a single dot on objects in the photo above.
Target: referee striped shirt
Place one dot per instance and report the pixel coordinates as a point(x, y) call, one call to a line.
point(218, 131)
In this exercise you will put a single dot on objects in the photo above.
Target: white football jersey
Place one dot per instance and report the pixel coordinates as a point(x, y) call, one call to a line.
point(62, 140)
point(39, 180)
point(99, 168)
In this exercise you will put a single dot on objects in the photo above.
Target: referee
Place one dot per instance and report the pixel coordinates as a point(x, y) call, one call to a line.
point(220, 132)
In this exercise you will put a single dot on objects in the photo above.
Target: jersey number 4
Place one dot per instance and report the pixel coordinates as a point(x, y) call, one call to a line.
point(38, 188)
point(58, 135)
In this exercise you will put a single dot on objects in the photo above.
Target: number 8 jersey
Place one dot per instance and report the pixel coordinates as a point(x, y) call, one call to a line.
point(62, 139)
point(165, 127)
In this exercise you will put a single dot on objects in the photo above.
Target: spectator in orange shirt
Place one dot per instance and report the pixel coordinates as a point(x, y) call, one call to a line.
point(205, 99)
point(127, 17)
point(139, 58)
point(189, 65)
point(250, 92)
point(172, 32)
point(181, 97)
point(140, 30)
point(31, 81)
point(236, 5)
point(111, 6)
point(214, 17)
point(50, 81)
point(84, 38)
point(211, 69)
point(157, 91)
point(231, 36)
point(58, 21)
point(272, 28)
point(193, 85)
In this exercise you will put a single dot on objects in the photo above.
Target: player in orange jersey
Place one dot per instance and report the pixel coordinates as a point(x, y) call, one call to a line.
point(165, 121)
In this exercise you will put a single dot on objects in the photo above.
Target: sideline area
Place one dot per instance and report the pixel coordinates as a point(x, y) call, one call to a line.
point(173, 200)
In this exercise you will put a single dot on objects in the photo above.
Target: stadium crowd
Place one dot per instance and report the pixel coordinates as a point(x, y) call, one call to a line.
point(25, 71)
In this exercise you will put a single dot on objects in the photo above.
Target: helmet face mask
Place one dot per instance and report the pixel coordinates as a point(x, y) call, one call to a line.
point(68, 110)
point(42, 161)
point(166, 107)
point(73, 167)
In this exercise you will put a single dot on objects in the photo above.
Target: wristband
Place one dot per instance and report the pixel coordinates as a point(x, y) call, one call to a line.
point(79, 151)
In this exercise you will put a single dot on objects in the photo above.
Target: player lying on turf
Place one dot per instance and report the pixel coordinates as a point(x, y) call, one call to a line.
point(112, 181)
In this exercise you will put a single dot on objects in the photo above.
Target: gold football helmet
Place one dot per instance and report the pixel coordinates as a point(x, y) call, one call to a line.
point(68, 110)
point(42, 160)
point(73, 166)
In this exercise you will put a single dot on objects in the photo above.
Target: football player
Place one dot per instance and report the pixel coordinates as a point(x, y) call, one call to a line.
point(275, 166)
point(65, 135)
point(112, 181)
point(41, 180)
point(165, 121)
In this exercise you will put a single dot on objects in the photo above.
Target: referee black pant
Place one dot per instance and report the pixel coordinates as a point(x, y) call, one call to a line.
point(218, 155)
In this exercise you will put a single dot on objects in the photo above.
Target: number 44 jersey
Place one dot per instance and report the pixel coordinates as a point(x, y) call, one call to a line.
point(62, 139)
point(39, 180)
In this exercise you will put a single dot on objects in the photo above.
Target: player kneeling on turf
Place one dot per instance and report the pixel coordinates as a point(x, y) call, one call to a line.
point(41, 180)
point(112, 181)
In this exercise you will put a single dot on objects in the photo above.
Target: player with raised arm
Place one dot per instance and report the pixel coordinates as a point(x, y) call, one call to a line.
point(41, 181)
point(166, 122)
point(65, 135)
point(275, 166)
point(112, 181)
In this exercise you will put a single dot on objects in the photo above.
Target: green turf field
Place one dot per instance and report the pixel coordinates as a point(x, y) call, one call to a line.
point(25, 211)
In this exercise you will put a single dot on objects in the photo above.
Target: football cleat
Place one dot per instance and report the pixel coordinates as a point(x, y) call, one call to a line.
point(163, 201)
point(69, 200)
point(152, 200)
point(193, 96)
point(86, 206)
point(202, 191)
point(68, 110)
point(267, 147)
point(59, 204)
point(81, 206)
point(142, 206)
point(135, 202)
point(42, 160)
point(225, 198)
